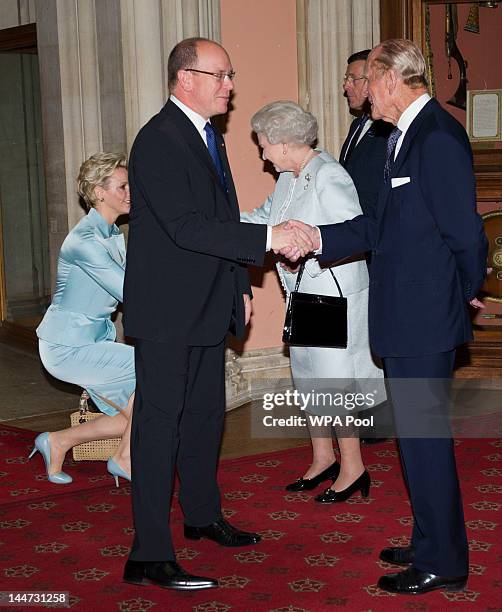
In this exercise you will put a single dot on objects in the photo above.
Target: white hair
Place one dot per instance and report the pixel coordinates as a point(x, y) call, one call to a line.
point(285, 121)
point(404, 57)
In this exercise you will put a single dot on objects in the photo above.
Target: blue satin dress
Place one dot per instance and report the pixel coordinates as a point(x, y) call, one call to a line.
point(76, 336)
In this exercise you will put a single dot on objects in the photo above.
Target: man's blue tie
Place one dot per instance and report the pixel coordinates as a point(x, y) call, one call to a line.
point(212, 147)
point(391, 145)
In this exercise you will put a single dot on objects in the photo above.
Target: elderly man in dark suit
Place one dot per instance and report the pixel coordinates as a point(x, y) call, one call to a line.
point(429, 261)
point(186, 285)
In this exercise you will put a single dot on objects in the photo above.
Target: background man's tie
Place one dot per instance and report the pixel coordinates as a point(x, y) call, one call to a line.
point(391, 145)
point(212, 147)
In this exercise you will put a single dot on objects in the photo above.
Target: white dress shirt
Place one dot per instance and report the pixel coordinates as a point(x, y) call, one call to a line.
point(198, 121)
point(406, 119)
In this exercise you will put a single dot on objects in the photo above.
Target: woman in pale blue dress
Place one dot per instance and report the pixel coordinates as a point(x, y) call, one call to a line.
point(76, 336)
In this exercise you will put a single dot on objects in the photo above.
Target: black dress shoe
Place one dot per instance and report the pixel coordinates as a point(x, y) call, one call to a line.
point(412, 581)
point(399, 555)
point(369, 441)
point(222, 533)
point(167, 574)
point(330, 496)
point(307, 484)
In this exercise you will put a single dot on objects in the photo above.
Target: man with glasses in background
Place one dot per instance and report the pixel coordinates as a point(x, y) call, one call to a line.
point(364, 150)
point(363, 156)
point(186, 286)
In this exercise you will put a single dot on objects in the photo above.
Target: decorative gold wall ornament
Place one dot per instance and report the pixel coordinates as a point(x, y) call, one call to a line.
point(493, 230)
point(472, 24)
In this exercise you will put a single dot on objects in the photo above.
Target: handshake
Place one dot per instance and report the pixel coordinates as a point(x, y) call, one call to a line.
point(294, 239)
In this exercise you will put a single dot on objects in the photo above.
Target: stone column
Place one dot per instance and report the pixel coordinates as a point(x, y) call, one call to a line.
point(80, 56)
point(150, 30)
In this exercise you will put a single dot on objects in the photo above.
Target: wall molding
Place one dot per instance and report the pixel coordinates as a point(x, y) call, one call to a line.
point(250, 374)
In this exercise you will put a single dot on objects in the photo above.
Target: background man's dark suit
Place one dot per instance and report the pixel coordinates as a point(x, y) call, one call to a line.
point(428, 261)
point(184, 286)
point(366, 161)
point(365, 165)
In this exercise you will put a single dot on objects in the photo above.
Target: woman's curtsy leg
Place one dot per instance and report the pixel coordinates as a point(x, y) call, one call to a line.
point(122, 455)
point(100, 428)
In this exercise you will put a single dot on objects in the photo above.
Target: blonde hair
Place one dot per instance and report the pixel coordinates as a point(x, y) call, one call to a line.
point(405, 58)
point(95, 172)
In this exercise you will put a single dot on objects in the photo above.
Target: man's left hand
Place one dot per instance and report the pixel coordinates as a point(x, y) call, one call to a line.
point(248, 308)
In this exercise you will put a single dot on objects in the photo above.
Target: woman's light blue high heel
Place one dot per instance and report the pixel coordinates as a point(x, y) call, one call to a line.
point(44, 448)
point(115, 470)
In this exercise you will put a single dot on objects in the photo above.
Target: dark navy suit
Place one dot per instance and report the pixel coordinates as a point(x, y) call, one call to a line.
point(365, 163)
point(428, 261)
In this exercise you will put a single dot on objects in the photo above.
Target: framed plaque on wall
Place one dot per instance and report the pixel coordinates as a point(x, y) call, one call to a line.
point(484, 115)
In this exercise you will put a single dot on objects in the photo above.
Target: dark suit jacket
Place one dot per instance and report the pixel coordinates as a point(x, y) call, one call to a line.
point(187, 250)
point(366, 162)
point(428, 244)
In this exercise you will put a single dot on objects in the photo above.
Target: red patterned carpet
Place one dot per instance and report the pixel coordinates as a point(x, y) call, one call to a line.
point(76, 538)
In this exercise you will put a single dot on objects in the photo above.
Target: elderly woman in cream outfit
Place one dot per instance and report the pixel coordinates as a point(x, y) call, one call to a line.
point(314, 188)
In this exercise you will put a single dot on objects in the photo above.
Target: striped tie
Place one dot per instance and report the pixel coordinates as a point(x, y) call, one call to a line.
point(391, 146)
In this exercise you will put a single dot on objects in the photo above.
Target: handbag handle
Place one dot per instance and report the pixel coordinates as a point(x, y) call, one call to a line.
point(83, 406)
point(300, 274)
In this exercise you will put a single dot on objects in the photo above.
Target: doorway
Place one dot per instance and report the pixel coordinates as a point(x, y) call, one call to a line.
point(24, 245)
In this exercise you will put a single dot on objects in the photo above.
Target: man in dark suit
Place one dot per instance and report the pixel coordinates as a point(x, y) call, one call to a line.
point(429, 260)
point(186, 285)
point(363, 156)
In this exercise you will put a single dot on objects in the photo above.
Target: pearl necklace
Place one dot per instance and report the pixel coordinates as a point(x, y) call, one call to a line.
point(305, 161)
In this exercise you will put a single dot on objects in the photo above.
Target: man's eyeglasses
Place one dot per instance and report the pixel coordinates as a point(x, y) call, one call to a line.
point(220, 76)
point(351, 79)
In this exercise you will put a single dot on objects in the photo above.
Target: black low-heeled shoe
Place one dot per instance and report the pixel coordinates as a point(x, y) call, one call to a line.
point(307, 484)
point(330, 496)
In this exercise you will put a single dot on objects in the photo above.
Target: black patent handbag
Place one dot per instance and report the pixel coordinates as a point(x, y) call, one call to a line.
point(315, 320)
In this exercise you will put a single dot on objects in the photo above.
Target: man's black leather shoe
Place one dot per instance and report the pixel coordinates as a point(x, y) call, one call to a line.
point(307, 484)
point(399, 555)
point(222, 533)
point(412, 581)
point(167, 574)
